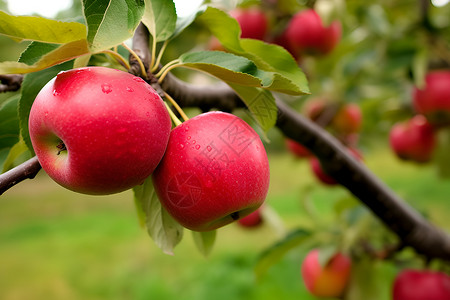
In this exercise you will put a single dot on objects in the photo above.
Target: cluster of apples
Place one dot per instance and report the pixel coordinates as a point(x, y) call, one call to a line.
point(415, 139)
point(97, 130)
point(345, 123)
point(305, 34)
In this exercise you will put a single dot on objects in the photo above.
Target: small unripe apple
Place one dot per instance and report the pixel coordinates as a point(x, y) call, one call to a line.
point(413, 140)
point(253, 22)
point(420, 285)
point(433, 100)
point(97, 130)
point(297, 149)
point(252, 220)
point(329, 280)
point(215, 171)
point(306, 34)
point(348, 119)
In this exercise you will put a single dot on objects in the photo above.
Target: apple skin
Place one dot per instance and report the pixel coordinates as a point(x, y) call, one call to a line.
point(252, 220)
point(421, 284)
point(114, 126)
point(306, 34)
point(433, 101)
point(215, 171)
point(348, 119)
point(329, 280)
point(297, 149)
point(413, 140)
point(253, 22)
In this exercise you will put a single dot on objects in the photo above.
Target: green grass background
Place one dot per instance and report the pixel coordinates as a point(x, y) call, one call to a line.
point(56, 244)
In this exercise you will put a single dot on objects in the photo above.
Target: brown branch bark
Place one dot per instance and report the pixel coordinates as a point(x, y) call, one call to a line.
point(10, 83)
point(26, 170)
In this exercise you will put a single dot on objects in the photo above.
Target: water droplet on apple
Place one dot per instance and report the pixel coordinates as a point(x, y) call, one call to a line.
point(197, 147)
point(186, 128)
point(181, 146)
point(138, 79)
point(209, 148)
point(193, 142)
point(188, 138)
point(129, 89)
point(56, 93)
point(106, 88)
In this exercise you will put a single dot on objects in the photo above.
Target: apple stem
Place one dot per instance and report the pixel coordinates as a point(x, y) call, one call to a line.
point(61, 147)
point(138, 59)
point(118, 57)
point(160, 54)
point(174, 118)
point(177, 107)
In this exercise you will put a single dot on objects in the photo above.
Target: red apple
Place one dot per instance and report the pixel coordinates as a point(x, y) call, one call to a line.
point(348, 119)
point(413, 140)
point(253, 22)
point(252, 220)
point(329, 280)
point(323, 177)
point(215, 171)
point(420, 285)
point(297, 149)
point(433, 100)
point(97, 130)
point(306, 34)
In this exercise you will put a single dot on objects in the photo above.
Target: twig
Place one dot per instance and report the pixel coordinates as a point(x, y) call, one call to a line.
point(26, 170)
point(10, 83)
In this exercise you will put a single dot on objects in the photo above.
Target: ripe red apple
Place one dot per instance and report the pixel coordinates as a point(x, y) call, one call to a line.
point(323, 177)
point(313, 108)
point(306, 34)
point(252, 220)
point(433, 100)
point(348, 119)
point(413, 140)
point(253, 22)
point(97, 130)
point(329, 280)
point(215, 171)
point(421, 284)
point(297, 149)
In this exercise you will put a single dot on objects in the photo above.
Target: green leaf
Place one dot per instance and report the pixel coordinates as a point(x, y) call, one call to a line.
point(34, 52)
point(40, 29)
point(204, 241)
point(161, 227)
point(420, 67)
point(260, 103)
point(31, 85)
point(273, 254)
point(282, 73)
point(288, 77)
point(225, 66)
point(160, 17)
point(16, 151)
point(185, 21)
point(370, 280)
point(225, 28)
point(9, 124)
point(61, 54)
point(111, 22)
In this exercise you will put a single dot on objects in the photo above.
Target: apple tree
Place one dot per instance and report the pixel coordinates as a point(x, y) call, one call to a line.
point(97, 93)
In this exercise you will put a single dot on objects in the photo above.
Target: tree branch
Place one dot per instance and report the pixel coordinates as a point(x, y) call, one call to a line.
point(10, 83)
point(26, 170)
point(402, 219)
